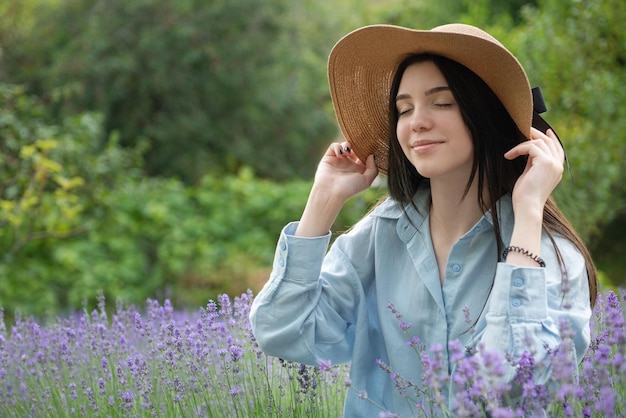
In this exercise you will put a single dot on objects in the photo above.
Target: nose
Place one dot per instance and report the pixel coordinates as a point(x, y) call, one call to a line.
point(420, 120)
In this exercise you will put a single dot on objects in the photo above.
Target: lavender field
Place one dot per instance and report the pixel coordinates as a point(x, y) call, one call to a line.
point(157, 363)
point(160, 362)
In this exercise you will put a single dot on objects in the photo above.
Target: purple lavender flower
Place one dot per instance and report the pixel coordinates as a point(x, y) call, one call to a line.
point(394, 310)
point(236, 352)
point(128, 400)
point(466, 315)
point(404, 326)
point(324, 365)
point(456, 351)
point(435, 374)
point(101, 386)
point(72, 387)
point(146, 364)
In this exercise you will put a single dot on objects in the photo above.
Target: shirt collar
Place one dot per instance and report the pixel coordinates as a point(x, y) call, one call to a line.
point(391, 209)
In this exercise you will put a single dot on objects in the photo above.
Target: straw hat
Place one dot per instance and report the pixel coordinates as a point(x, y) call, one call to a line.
point(361, 67)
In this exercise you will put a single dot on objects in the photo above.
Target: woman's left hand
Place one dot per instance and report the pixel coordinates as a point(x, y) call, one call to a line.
point(543, 172)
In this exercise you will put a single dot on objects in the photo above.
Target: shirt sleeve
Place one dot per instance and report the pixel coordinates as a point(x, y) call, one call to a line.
point(302, 313)
point(529, 306)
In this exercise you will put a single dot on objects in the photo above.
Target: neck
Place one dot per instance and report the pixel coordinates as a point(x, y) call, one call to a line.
point(451, 213)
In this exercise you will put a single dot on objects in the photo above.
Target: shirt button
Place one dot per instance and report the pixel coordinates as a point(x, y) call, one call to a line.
point(283, 246)
point(281, 262)
point(516, 303)
point(518, 282)
point(456, 268)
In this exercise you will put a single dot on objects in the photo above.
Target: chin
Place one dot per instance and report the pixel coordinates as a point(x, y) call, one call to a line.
point(427, 172)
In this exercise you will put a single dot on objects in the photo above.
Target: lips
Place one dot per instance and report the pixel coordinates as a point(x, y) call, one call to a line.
point(425, 145)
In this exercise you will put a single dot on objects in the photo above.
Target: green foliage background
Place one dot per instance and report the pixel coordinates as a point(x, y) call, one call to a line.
point(155, 148)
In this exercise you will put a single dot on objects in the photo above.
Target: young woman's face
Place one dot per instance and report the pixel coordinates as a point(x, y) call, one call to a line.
point(430, 127)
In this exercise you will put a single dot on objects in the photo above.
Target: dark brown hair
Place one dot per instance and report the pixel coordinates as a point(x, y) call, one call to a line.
point(493, 132)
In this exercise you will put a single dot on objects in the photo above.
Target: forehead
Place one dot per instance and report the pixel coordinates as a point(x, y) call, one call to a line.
point(423, 74)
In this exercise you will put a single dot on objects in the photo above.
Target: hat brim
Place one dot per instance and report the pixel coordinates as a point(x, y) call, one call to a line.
point(362, 65)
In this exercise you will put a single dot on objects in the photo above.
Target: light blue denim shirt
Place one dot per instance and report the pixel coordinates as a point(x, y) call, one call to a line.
point(322, 304)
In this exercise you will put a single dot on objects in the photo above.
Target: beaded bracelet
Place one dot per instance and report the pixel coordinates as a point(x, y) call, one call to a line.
point(527, 253)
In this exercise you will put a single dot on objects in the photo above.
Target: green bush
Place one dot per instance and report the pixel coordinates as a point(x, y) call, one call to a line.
point(79, 219)
point(78, 216)
point(54, 177)
point(214, 86)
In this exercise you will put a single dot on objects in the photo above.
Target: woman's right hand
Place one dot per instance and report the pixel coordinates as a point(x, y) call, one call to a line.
point(341, 173)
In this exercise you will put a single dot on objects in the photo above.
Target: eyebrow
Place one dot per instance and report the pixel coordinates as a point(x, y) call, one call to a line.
point(426, 93)
point(436, 90)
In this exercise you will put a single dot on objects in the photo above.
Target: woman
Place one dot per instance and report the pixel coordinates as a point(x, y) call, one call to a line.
point(469, 223)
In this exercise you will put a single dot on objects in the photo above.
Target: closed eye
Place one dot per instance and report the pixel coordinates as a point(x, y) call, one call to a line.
point(404, 111)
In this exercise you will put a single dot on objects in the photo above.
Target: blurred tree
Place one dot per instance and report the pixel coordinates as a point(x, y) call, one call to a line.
point(428, 14)
point(53, 177)
point(16, 22)
point(609, 250)
point(504, 13)
point(416, 14)
point(216, 87)
point(38, 197)
point(78, 219)
point(212, 85)
point(576, 50)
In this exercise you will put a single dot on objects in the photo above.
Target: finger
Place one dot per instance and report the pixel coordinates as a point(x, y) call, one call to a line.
point(346, 149)
point(558, 146)
point(525, 148)
point(553, 143)
point(336, 149)
point(538, 142)
point(349, 153)
point(549, 138)
point(536, 133)
point(371, 169)
point(540, 138)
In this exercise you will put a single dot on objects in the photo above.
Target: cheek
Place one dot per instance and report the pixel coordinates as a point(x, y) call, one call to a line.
point(469, 144)
point(402, 133)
